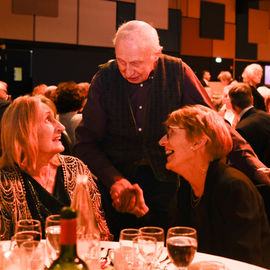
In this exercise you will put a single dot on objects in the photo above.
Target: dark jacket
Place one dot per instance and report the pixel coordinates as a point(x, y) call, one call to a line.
point(230, 218)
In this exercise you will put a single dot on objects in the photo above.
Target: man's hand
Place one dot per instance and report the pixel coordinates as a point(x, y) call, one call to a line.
point(128, 198)
point(123, 196)
point(140, 208)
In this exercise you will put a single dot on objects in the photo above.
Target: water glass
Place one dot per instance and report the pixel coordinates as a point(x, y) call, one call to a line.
point(33, 255)
point(88, 248)
point(52, 230)
point(29, 227)
point(158, 234)
point(126, 244)
point(146, 247)
point(17, 239)
point(181, 246)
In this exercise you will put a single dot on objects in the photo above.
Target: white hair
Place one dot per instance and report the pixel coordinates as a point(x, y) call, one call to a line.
point(139, 30)
point(250, 71)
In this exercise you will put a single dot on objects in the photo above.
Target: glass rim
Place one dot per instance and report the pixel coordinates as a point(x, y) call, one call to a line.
point(191, 230)
point(26, 222)
point(129, 231)
point(54, 217)
point(156, 230)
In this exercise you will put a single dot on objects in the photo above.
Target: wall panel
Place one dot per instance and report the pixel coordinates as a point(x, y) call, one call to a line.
point(258, 22)
point(14, 26)
point(226, 47)
point(193, 10)
point(229, 9)
point(154, 12)
point(97, 22)
point(264, 49)
point(192, 44)
point(49, 29)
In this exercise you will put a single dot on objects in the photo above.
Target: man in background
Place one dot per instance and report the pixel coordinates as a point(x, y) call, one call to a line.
point(254, 124)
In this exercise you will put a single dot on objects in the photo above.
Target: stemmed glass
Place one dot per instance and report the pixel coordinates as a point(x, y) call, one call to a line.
point(147, 247)
point(181, 246)
point(52, 230)
point(29, 227)
point(33, 255)
point(158, 234)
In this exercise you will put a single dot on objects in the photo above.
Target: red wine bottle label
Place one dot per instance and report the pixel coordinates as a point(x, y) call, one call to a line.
point(68, 231)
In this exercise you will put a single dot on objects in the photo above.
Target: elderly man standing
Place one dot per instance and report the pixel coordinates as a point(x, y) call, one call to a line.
point(128, 101)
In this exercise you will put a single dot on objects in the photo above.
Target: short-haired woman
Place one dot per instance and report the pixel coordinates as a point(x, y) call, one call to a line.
point(219, 201)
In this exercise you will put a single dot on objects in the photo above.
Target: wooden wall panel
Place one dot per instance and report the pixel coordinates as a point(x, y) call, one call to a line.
point(192, 44)
point(154, 12)
point(36, 7)
point(229, 9)
point(193, 10)
point(264, 49)
point(97, 23)
point(225, 48)
point(258, 22)
point(265, 5)
point(14, 26)
point(50, 29)
point(212, 20)
point(128, 1)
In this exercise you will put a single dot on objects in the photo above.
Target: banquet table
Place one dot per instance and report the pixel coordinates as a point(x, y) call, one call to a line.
point(229, 264)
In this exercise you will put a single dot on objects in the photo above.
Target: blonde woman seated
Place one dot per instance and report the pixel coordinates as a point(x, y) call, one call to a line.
point(35, 180)
point(219, 201)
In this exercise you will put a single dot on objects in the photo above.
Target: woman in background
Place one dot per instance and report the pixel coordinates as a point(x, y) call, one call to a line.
point(35, 180)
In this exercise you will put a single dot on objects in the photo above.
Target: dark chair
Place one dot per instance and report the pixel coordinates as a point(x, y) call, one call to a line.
point(66, 141)
point(265, 193)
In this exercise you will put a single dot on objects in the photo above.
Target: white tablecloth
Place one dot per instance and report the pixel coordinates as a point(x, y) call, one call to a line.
point(199, 257)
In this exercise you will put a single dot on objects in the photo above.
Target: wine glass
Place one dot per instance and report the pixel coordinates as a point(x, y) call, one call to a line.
point(181, 246)
point(147, 247)
point(158, 234)
point(29, 227)
point(126, 244)
point(52, 230)
point(18, 238)
point(33, 255)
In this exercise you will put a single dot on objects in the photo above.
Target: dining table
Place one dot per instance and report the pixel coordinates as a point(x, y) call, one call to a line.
point(200, 261)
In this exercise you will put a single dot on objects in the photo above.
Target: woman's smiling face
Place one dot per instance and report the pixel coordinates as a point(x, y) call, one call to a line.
point(177, 148)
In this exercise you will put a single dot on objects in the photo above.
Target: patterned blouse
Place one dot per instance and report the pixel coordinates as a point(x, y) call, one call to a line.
point(16, 204)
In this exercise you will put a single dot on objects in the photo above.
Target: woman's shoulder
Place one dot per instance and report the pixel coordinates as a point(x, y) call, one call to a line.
point(226, 177)
point(70, 160)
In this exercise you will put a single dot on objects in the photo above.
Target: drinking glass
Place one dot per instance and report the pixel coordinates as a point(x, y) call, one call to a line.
point(88, 248)
point(181, 246)
point(52, 230)
point(18, 238)
point(158, 234)
point(126, 245)
point(147, 247)
point(29, 227)
point(33, 255)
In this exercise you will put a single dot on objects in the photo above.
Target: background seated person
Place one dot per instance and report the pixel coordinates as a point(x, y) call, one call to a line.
point(69, 99)
point(35, 180)
point(219, 201)
point(252, 75)
point(254, 124)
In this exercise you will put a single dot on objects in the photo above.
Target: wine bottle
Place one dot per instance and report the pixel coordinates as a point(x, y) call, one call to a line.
point(68, 258)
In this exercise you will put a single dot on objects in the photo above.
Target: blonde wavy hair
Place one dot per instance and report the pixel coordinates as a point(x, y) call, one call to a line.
point(199, 121)
point(19, 127)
